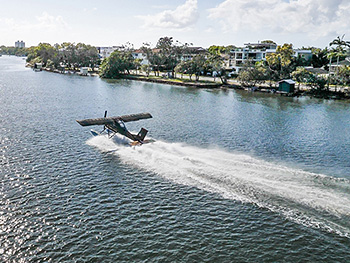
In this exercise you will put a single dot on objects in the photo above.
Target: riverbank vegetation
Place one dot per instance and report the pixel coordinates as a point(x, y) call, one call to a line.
point(168, 56)
point(13, 51)
point(66, 56)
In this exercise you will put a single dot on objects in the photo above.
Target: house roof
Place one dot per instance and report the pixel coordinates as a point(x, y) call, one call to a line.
point(345, 62)
point(316, 70)
point(303, 51)
point(289, 81)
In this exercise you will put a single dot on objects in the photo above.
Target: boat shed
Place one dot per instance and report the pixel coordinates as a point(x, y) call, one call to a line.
point(84, 71)
point(286, 85)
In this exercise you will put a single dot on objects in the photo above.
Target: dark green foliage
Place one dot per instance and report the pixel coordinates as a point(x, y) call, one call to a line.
point(253, 75)
point(14, 51)
point(67, 55)
point(319, 57)
point(117, 64)
point(218, 50)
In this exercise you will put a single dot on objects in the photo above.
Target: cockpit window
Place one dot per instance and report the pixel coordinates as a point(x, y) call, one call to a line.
point(121, 123)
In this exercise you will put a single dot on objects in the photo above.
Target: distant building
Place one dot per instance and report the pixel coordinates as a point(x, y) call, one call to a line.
point(255, 52)
point(303, 54)
point(20, 44)
point(138, 54)
point(191, 52)
point(105, 52)
point(250, 52)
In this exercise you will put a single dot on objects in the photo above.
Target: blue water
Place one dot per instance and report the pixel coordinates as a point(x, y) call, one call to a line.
point(232, 177)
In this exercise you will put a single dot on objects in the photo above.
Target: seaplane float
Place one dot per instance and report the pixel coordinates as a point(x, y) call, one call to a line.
point(114, 125)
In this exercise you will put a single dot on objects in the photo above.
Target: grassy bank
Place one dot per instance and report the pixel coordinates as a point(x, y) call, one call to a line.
point(175, 81)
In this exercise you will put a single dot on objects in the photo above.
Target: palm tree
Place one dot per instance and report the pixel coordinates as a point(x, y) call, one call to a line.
point(340, 43)
point(338, 52)
point(330, 55)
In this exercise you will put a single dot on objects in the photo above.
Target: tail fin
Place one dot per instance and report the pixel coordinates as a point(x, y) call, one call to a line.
point(142, 134)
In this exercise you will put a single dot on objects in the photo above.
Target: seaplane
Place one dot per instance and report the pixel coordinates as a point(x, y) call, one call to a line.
point(114, 125)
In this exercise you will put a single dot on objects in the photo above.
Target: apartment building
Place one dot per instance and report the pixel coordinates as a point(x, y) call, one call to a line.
point(255, 52)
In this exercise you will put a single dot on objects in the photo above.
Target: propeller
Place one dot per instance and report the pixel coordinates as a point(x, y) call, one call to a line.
point(104, 126)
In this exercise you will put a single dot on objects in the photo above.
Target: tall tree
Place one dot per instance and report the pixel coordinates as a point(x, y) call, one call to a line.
point(281, 62)
point(340, 44)
point(301, 75)
point(338, 52)
point(319, 57)
point(216, 63)
point(117, 64)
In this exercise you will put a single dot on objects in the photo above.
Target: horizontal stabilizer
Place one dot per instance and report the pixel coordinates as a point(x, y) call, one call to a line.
point(112, 120)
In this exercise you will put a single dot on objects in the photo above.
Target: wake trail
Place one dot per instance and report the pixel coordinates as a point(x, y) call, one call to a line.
point(307, 198)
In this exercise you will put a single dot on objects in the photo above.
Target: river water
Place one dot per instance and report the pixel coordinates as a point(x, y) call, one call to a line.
point(232, 177)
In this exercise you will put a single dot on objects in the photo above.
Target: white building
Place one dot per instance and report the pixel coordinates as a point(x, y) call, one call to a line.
point(191, 52)
point(138, 54)
point(20, 44)
point(255, 52)
point(251, 52)
point(304, 54)
point(105, 52)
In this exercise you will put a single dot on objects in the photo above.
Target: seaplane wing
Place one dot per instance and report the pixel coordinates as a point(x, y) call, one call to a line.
point(135, 117)
point(112, 120)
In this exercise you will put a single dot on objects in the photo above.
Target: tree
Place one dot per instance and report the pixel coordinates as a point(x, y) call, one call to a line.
point(319, 57)
point(216, 50)
point(301, 75)
point(316, 82)
point(220, 50)
point(153, 57)
point(250, 76)
point(198, 64)
point(169, 52)
point(282, 63)
point(181, 68)
point(87, 56)
point(137, 64)
point(344, 75)
point(117, 64)
point(338, 52)
point(340, 44)
point(268, 42)
point(146, 68)
point(216, 63)
point(44, 50)
point(68, 54)
point(188, 67)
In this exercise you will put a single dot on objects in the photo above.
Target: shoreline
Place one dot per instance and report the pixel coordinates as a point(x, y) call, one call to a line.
point(179, 82)
point(173, 82)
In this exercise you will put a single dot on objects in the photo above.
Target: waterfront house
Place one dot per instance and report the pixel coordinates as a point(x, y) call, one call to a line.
point(306, 54)
point(317, 71)
point(138, 54)
point(191, 52)
point(252, 52)
point(255, 52)
point(333, 67)
point(286, 85)
point(105, 52)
